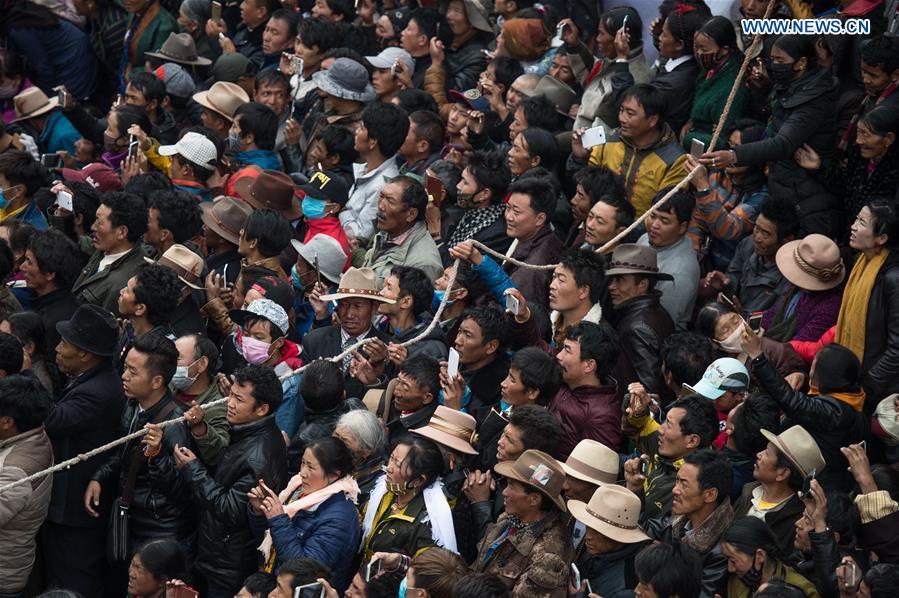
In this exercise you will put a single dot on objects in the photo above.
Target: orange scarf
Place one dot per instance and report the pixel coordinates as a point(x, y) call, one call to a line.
point(856, 400)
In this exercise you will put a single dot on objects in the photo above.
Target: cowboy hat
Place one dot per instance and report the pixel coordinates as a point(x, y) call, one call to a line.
point(538, 470)
point(636, 259)
point(180, 48)
point(592, 462)
point(31, 103)
point(613, 511)
point(797, 445)
point(226, 216)
point(271, 189)
point(185, 263)
point(223, 98)
point(812, 263)
point(358, 282)
point(453, 429)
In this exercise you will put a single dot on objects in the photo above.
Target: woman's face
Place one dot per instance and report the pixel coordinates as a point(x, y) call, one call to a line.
point(606, 41)
point(862, 234)
point(739, 562)
point(726, 325)
point(871, 145)
point(384, 31)
point(140, 581)
point(457, 18)
point(520, 159)
point(311, 472)
point(349, 438)
point(669, 47)
point(397, 468)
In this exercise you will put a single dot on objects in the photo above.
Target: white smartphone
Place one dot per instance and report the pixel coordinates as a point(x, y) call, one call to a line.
point(309, 590)
point(593, 137)
point(64, 201)
point(372, 569)
point(512, 304)
point(452, 364)
point(575, 577)
point(697, 148)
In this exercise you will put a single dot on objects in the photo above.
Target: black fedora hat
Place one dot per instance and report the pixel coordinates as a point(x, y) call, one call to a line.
point(91, 329)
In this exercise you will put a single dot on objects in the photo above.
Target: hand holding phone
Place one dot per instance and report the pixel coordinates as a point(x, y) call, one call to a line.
point(697, 148)
point(64, 201)
point(593, 137)
point(575, 578)
point(512, 304)
point(452, 364)
point(216, 11)
point(373, 569)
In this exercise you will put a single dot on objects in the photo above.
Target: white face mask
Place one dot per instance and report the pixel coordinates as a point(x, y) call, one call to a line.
point(732, 343)
point(182, 379)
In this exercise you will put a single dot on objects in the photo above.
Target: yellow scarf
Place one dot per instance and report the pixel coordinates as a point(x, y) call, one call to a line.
point(854, 309)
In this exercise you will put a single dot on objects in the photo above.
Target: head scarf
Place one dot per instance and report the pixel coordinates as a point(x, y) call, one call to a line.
point(526, 39)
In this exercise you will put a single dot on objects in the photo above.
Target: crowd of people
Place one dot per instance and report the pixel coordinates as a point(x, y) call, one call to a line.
point(402, 299)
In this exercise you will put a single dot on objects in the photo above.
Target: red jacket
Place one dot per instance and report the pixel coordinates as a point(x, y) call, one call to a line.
point(587, 412)
point(808, 349)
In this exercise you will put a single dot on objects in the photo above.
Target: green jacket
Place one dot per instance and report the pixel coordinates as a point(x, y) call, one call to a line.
point(218, 430)
point(152, 38)
point(102, 288)
point(709, 99)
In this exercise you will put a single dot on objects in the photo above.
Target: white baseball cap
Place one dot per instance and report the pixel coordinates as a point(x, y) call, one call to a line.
point(193, 147)
point(389, 56)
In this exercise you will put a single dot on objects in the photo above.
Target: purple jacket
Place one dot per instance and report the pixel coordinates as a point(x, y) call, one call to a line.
point(587, 412)
point(815, 313)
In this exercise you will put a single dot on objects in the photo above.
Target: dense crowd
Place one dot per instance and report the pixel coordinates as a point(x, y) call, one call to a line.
point(448, 299)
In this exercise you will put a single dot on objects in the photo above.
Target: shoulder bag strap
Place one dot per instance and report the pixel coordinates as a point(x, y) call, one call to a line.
point(131, 480)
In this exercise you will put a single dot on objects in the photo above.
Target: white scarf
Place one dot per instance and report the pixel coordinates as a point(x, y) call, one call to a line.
point(438, 513)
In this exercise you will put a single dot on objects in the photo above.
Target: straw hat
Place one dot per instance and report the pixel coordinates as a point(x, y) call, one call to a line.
point(799, 447)
point(538, 470)
point(223, 98)
point(453, 429)
point(592, 462)
point(613, 511)
point(33, 102)
point(812, 263)
point(358, 282)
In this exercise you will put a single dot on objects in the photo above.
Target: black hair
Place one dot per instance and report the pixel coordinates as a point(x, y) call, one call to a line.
point(699, 418)
point(24, 400)
point(653, 101)
point(598, 342)
point(598, 182)
point(273, 330)
point(671, 568)
point(414, 195)
point(721, 31)
point(11, 354)
point(882, 580)
point(304, 570)
point(546, 503)
point(28, 327)
point(842, 367)
point(20, 233)
point(7, 260)
point(266, 386)
point(413, 281)
point(715, 471)
point(344, 52)
point(85, 201)
point(885, 220)
point(491, 171)
point(150, 86)
point(161, 353)
point(159, 289)
point(272, 77)
point(886, 478)
point(425, 371)
point(146, 184)
point(506, 69)
point(428, 126)
point(756, 412)
point(842, 516)
point(588, 268)
point(491, 321)
point(782, 212)
point(333, 456)
point(250, 276)
point(748, 534)
point(179, 212)
point(539, 429)
point(613, 20)
point(321, 386)
point(414, 99)
point(127, 115)
point(881, 51)
point(339, 141)
point(12, 64)
point(450, 175)
point(260, 584)
point(270, 229)
point(261, 121)
point(481, 585)
point(708, 316)
point(538, 370)
point(882, 120)
point(684, 25)
point(429, 21)
point(799, 46)
point(292, 18)
point(128, 210)
point(778, 588)
point(20, 168)
point(540, 112)
point(319, 32)
point(344, 8)
point(163, 559)
point(541, 193)
point(387, 124)
point(424, 458)
point(796, 477)
point(467, 278)
point(686, 355)
point(541, 143)
point(681, 203)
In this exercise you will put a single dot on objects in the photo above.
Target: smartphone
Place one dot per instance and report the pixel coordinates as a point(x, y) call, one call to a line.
point(575, 577)
point(51, 160)
point(393, 69)
point(309, 590)
point(64, 201)
point(434, 187)
point(133, 146)
point(61, 97)
point(184, 592)
point(452, 364)
point(589, 589)
point(216, 11)
point(853, 575)
point(864, 445)
point(644, 467)
point(593, 137)
point(807, 484)
point(727, 301)
point(512, 304)
point(755, 320)
point(697, 148)
point(624, 23)
point(561, 28)
point(372, 569)
point(318, 272)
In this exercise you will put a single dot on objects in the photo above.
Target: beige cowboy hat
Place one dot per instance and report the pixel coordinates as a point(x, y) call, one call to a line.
point(185, 263)
point(223, 98)
point(592, 462)
point(453, 429)
point(799, 447)
point(31, 103)
point(358, 282)
point(613, 511)
point(180, 48)
point(812, 263)
point(558, 93)
point(538, 470)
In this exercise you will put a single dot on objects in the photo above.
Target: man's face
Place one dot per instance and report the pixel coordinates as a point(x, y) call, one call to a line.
point(519, 124)
point(597, 543)
point(276, 37)
point(633, 120)
point(253, 13)
point(623, 287)
point(106, 236)
point(601, 224)
point(357, 588)
point(470, 343)
point(67, 357)
point(412, 39)
point(515, 94)
point(517, 501)
point(512, 391)
point(242, 407)
point(522, 221)
point(875, 79)
point(355, 314)
point(561, 69)
point(726, 402)
point(564, 292)
point(153, 236)
point(580, 203)
point(384, 82)
point(764, 236)
point(687, 494)
point(457, 119)
point(664, 229)
point(311, 55)
point(321, 9)
point(361, 142)
point(128, 305)
point(802, 527)
point(34, 278)
point(408, 395)
point(467, 183)
point(135, 97)
point(274, 96)
point(575, 489)
point(236, 130)
point(391, 290)
point(187, 356)
point(569, 359)
point(409, 150)
point(510, 444)
point(753, 9)
point(283, 589)
point(137, 381)
point(214, 121)
point(672, 442)
point(765, 469)
point(394, 217)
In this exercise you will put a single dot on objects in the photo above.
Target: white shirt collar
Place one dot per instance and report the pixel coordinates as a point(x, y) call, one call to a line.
point(673, 64)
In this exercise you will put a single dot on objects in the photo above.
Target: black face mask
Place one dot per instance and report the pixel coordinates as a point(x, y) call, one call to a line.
point(781, 74)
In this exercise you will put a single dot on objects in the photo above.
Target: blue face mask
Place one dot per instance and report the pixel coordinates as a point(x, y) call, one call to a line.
point(313, 209)
point(401, 593)
point(3, 201)
point(438, 298)
point(233, 141)
point(295, 278)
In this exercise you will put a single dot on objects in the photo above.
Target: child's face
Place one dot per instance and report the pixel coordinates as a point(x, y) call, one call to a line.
point(260, 330)
point(317, 153)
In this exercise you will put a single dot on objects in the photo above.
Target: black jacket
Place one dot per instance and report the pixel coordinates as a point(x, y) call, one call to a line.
point(187, 318)
point(325, 342)
point(781, 522)
point(225, 264)
point(317, 425)
point(880, 363)
point(831, 422)
point(465, 64)
point(53, 307)
point(642, 325)
point(802, 113)
point(86, 416)
point(484, 385)
point(161, 505)
point(226, 547)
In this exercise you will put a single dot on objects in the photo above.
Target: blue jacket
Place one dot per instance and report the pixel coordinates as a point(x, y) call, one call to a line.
point(60, 55)
point(494, 277)
point(330, 534)
point(264, 159)
point(59, 134)
point(32, 215)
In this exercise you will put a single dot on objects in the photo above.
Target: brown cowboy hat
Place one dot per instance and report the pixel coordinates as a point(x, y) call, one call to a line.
point(636, 259)
point(538, 470)
point(271, 189)
point(226, 217)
